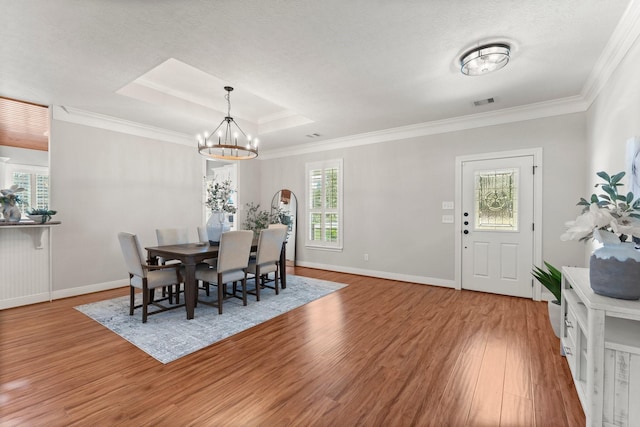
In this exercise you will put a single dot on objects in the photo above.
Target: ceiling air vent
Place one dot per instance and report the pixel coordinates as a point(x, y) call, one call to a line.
point(484, 102)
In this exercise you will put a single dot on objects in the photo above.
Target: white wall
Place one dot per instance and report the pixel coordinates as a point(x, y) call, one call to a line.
point(393, 194)
point(104, 182)
point(612, 119)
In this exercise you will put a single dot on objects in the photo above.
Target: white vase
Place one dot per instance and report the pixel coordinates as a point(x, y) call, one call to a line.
point(555, 316)
point(216, 225)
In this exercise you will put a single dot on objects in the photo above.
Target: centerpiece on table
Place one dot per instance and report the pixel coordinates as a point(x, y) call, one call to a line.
point(9, 200)
point(612, 219)
point(221, 204)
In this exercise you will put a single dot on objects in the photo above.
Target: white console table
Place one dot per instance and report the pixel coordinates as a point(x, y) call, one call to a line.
point(25, 263)
point(600, 337)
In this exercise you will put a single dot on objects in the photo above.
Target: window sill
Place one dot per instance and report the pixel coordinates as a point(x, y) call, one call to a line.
point(323, 248)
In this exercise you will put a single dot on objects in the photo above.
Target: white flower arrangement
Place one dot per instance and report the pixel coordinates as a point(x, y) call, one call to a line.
point(608, 218)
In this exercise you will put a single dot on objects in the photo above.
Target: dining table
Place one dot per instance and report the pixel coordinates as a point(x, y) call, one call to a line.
point(192, 254)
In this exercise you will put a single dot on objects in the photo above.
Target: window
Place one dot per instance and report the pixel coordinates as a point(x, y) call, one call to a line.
point(35, 181)
point(324, 204)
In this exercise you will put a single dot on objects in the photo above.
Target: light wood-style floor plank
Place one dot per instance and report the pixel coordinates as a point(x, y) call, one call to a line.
point(376, 353)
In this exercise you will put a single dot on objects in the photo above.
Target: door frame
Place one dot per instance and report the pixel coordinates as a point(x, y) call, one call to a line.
point(537, 208)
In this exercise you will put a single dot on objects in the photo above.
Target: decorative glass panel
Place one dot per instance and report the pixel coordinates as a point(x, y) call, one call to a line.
point(496, 200)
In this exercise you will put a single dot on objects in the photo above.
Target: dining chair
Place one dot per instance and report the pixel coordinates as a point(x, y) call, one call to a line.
point(203, 236)
point(233, 259)
point(145, 277)
point(286, 227)
point(171, 236)
point(267, 259)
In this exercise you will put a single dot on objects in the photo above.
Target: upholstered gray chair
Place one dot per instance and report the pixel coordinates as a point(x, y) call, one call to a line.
point(279, 226)
point(145, 277)
point(267, 259)
point(171, 236)
point(233, 258)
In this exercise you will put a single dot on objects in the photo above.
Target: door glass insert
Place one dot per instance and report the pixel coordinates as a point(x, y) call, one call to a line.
point(496, 200)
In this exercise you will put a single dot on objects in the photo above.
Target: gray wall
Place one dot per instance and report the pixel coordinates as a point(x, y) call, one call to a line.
point(393, 193)
point(104, 182)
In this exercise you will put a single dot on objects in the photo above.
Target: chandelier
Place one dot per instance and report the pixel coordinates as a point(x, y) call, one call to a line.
point(485, 59)
point(222, 143)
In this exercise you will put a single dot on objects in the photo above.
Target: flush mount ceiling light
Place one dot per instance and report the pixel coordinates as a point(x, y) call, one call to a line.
point(485, 59)
point(226, 147)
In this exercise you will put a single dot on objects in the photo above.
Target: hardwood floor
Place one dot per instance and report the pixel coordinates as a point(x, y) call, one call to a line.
point(376, 353)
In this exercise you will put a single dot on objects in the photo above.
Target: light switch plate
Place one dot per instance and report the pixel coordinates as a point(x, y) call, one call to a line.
point(447, 219)
point(447, 205)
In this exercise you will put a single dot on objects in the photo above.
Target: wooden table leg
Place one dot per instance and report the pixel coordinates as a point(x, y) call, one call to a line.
point(190, 289)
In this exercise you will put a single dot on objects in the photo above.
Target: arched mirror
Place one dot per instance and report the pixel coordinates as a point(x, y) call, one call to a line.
point(285, 206)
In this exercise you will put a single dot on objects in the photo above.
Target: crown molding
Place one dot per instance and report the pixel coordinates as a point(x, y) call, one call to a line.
point(623, 37)
point(101, 121)
point(539, 110)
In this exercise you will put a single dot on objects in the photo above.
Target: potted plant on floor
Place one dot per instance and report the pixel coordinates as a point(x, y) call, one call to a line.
point(552, 280)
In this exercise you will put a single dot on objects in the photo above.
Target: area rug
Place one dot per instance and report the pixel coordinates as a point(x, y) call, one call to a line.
point(168, 336)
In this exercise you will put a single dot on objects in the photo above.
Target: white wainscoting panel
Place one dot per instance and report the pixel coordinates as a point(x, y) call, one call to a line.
point(25, 270)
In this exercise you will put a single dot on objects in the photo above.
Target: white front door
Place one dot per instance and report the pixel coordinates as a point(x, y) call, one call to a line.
point(497, 225)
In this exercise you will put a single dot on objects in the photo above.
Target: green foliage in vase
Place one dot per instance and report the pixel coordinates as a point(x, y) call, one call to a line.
point(551, 279)
point(10, 196)
point(257, 219)
point(219, 196)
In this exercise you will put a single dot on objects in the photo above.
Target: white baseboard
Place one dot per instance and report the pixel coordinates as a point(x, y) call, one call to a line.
point(381, 274)
point(26, 300)
point(97, 287)
point(62, 293)
point(82, 290)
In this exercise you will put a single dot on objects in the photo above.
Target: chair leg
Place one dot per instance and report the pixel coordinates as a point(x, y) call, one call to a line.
point(244, 290)
point(257, 280)
point(220, 293)
point(145, 301)
point(275, 283)
point(132, 299)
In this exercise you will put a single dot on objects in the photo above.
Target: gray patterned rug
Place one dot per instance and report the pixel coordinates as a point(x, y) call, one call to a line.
point(169, 335)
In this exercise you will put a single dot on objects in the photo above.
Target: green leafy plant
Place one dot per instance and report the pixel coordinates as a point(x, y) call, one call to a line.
point(551, 279)
point(611, 214)
point(46, 213)
point(257, 219)
point(10, 196)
